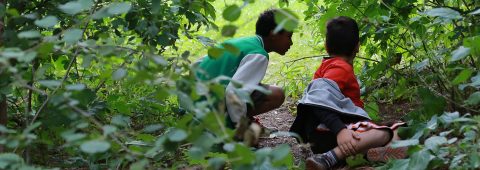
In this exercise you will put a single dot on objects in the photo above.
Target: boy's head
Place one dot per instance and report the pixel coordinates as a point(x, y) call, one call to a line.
point(278, 42)
point(342, 37)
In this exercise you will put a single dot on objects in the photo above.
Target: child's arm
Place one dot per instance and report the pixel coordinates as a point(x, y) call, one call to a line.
point(250, 72)
point(345, 138)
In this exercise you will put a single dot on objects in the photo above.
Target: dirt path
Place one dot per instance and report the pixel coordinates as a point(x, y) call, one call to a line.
point(281, 119)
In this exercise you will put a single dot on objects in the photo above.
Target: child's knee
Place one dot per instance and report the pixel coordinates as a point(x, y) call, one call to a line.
point(385, 136)
point(277, 95)
point(381, 136)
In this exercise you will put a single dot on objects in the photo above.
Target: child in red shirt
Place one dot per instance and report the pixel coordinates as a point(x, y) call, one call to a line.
point(340, 71)
point(334, 126)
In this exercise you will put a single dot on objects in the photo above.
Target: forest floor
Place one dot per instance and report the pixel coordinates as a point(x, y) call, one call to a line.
point(281, 119)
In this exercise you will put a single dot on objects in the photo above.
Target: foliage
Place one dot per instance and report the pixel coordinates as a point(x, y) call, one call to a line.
point(90, 82)
point(449, 141)
point(103, 84)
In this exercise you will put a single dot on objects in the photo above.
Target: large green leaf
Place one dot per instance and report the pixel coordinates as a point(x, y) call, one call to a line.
point(29, 34)
point(232, 12)
point(403, 143)
point(177, 135)
point(47, 22)
point(373, 111)
point(473, 99)
point(286, 20)
point(119, 8)
point(475, 12)
point(420, 160)
point(119, 74)
point(444, 13)
point(460, 53)
point(95, 146)
point(50, 83)
point(434, 142)
point(231, 48)
point(74, 7)
point(7, 159)
point(139, 165)
point(229, 30)
point(75, 87)
point(463, 76)
point(215, 52)
point(473, 43)
point(72, 35)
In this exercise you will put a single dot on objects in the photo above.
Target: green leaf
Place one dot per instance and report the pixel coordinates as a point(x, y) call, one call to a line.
point(121, 120)
point(139, 165)
point(243, 153)
point(433, 142)
point(101, 13)
point(420, 160)
point(231, 13)
point(475, 12)
point(421, 65)
point(156, 6)
point(473, 43)
point(473, 99)
point(74, 7)
point(72, 137)
point(286, 20)
point(216, 163)
point(7, 159)
point(119, 74)
point(215, 52)
point(373, 111)
point(159, 60)
point(229, 147)
point(399, 164)
point(29, 34)
point(460, 53)
point(463, 76)
point(152, 128)
point(95, 146)
point(196, 153)
point(232, 49)
point(280, 152)
point(356, 160)
point(47, 22)
point(108, 129)
point(177, 135)
point(229, 30)
point(50, 83)
point(403, 143)
point(119, 8)
point(281, 155)
point(444, 13)
point(72, 35)
point(75, 87)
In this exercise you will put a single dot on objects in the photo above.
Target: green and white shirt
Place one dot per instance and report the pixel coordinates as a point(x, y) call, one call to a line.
point(248, 68)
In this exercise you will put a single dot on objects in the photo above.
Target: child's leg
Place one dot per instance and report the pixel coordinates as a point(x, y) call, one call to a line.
point(268, 102)
point(383, 154)
point(369, 139)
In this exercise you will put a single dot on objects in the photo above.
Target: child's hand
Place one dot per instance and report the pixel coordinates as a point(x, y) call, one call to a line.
point(347, 142)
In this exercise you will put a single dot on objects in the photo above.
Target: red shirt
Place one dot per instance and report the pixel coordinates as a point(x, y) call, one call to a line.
point(340, 71)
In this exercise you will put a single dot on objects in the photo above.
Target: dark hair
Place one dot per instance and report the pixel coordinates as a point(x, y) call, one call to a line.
point(342, 36)
point(266, 23)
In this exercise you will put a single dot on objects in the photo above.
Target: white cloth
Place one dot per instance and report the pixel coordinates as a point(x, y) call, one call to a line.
point(250, 72)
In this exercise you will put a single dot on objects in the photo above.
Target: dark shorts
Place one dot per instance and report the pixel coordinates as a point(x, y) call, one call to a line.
point(258, 98)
